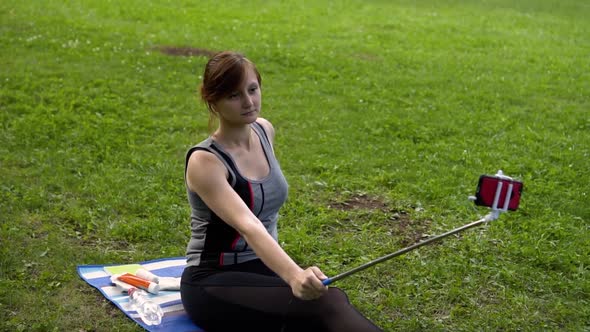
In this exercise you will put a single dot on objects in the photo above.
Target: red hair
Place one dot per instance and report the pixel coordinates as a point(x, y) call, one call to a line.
point(223, 74)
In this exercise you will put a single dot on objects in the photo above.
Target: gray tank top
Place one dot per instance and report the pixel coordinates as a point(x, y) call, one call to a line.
point(215, 243)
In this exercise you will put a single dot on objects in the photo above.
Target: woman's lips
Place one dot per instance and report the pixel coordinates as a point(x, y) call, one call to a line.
point(249, 113)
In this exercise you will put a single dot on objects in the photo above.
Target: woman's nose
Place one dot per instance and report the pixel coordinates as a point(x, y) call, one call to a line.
point(247, 101)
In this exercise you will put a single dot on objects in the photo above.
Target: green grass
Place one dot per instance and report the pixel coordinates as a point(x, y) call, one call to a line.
point(401, 102)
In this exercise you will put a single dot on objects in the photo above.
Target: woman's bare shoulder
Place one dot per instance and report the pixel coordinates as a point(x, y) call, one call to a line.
point(203, 167)
point(268, 127)
point(202, 156)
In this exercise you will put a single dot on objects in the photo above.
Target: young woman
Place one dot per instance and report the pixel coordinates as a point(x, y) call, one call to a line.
point(237, 275)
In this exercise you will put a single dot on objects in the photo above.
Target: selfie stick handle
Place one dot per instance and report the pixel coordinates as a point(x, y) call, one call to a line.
point(493, 215)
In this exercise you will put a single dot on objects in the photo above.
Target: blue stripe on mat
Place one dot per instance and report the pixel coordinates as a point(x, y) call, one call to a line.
point(175, 318)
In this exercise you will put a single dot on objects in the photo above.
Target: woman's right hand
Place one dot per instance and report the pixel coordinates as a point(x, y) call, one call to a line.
point(307, 284)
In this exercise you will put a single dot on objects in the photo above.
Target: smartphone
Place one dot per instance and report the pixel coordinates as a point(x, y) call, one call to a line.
point(487, 187)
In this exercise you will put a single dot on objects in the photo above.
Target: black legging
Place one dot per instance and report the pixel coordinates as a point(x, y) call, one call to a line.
point(249, 296)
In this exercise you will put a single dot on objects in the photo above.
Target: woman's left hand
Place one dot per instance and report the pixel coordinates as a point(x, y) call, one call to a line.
point(308, 284)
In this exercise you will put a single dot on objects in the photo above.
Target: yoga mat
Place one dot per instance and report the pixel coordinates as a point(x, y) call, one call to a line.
point(175, 318)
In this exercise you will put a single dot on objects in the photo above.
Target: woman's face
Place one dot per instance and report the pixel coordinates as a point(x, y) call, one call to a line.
point(241, 106)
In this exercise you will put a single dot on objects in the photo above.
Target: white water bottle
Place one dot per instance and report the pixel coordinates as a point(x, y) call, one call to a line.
point(149, 311)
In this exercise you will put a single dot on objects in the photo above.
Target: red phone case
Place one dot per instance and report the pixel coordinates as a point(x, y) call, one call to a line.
point(486, 192)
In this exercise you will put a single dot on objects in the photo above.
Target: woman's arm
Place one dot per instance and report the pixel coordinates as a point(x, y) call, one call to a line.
point(207, 176)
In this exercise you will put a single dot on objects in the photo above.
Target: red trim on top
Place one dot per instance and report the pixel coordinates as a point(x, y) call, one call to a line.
point(237, 238)
point(235, 241)
point(251, 196)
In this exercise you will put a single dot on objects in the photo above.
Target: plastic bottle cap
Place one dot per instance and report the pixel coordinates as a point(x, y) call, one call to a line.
point(147, 275)
point(154, 288)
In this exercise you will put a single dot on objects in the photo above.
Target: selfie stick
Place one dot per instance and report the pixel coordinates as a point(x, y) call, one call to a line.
point(493, 215)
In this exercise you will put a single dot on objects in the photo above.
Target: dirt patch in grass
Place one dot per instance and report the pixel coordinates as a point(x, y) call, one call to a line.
point(360, 201)
point(399, 221)
point(411, 231)
point(183, 51)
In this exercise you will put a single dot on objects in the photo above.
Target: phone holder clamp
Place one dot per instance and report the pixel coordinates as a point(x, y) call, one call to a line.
point(496, 210)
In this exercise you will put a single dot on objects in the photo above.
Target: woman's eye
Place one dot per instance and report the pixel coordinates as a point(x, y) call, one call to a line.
point(253, 89)
point(233, 95)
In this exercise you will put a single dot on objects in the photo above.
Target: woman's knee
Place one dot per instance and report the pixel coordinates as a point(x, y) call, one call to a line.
point(333, 301)
point(336, 294)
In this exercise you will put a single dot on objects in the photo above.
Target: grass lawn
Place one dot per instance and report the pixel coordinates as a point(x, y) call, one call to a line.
point(386, 114)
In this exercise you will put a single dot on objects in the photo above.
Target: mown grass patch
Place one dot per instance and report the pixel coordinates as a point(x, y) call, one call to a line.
point(386, 114)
